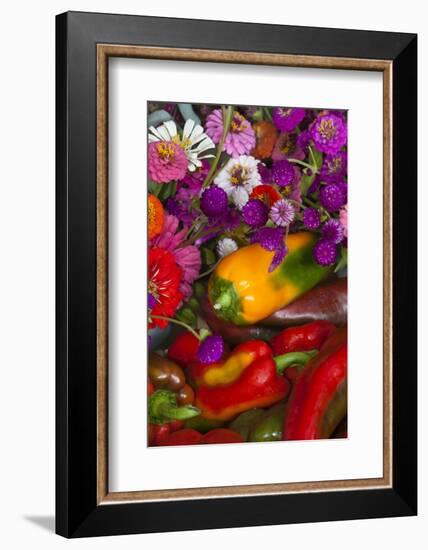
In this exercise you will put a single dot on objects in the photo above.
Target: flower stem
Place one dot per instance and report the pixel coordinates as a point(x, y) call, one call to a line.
point(208, 271)
point(227, 119)
point(175, 321)
point(305, 164)
point(267, 113)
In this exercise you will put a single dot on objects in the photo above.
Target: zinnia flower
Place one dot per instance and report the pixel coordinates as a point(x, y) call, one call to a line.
point(188, 257)
point(240, 139)
point(329, 133)
point(238, 178)
point(156, 216)
point(167, 161)
point(164, 282)
point(265, 193)
point(334, 167)
point(271, 239)
point(286, 147)
point(265, 139)
point(193, 141)
point(282, 213)
point(287, 118)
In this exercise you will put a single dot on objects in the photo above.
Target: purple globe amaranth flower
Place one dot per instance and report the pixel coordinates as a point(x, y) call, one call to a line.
point(282, 173)
point(332, 197)
point(311, 218)
point(332, 231)
point(329, 133)
point(211, 349)
point(282, 213)
point(271, 239)
point(287, 118)
point(324, 252)
point(255, 213)
point(213, 201)
point(265, 173)
point(334, 167)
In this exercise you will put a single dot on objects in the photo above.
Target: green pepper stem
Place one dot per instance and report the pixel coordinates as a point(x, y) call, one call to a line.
point(293, 358)
point(177, 413)
point(223, 301)
point(163, 408)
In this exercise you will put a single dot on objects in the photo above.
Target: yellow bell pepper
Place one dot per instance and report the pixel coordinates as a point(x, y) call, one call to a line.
point(243, 291)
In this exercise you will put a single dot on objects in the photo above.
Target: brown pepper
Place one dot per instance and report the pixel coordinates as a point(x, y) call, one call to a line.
point(185, 395)
point(165, 374)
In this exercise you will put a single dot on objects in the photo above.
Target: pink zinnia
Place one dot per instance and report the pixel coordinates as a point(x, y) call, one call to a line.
point(240, 139)
point(188, 257)
point(167, 161)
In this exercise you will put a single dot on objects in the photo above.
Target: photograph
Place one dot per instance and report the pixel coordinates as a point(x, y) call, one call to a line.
point(247, 300)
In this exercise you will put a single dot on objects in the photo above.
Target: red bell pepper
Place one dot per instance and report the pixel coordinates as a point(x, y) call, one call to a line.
point(302, 338)
point(222, 435)
point(187, 436)
point(250, 377)
point(184, 349)
point(318, 400)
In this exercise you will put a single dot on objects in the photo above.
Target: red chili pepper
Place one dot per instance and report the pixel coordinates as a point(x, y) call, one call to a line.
point(184, 349)
point(302, 338)
point(150, 387)
point(158, 433)
point(318, 401)
point(222, 435)
point(250, 377)
point(186, 436)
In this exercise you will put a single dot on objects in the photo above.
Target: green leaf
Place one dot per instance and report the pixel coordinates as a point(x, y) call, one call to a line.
point(306, 182)
point(343, 262)
point(153, 187)
point(208, 256)
point(167, 190)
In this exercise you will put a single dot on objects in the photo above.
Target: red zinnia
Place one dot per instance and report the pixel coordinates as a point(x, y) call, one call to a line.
point(265, 193)
point(164, 283)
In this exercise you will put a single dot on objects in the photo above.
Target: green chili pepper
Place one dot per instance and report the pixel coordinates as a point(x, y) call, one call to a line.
point(269, 426)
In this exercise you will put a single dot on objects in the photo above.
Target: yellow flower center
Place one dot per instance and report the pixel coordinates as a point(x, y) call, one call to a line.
point(184, 143)
point(238, 175)
point(238, 123)
point(334, 165)
point(166, 150)
point(327, 129)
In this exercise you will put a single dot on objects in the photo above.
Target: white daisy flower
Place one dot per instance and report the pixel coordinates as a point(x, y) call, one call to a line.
point(238, 178)
point(193, 141)
point(226, 246)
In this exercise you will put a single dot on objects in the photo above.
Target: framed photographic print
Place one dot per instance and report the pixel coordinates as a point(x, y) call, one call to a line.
point(236, 274)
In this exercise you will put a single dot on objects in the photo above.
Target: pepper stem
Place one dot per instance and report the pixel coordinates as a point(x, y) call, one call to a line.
point(163, 408)
point(223, 301)
point(293, 358)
